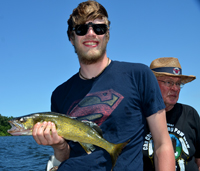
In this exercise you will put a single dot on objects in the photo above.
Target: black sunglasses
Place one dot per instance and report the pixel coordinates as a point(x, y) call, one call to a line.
point(82, 29)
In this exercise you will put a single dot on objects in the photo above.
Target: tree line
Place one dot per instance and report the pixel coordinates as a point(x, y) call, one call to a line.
point(4, 125)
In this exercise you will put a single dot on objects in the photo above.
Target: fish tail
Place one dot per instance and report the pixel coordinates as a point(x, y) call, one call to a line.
point(116, 151)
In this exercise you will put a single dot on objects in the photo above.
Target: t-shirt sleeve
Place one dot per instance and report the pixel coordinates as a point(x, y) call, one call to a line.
point(53, 104)
point(152, 100)
point(55, 99)
point(197, 123)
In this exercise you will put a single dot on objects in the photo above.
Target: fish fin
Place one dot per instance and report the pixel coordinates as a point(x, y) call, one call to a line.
point(91, 117)
point(87, 147)
point(94, 126)
point(115, 152)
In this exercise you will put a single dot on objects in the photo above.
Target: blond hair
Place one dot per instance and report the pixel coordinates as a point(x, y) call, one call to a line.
point(88, 10)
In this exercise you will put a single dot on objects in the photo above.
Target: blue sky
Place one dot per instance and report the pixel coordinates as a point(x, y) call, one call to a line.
point(36, 55)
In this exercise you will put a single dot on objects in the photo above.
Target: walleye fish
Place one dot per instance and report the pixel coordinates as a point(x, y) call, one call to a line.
point(85, 132)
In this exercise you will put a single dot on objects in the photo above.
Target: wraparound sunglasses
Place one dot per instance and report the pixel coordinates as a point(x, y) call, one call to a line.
point(82, 29)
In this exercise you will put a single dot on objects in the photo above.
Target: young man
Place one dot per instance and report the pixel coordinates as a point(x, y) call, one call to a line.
point(183, 120)
point(118, 96)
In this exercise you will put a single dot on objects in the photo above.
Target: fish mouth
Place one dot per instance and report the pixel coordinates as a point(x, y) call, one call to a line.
point(18, 129)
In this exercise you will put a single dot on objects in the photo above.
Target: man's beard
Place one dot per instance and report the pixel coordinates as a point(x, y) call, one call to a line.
point(92, 56)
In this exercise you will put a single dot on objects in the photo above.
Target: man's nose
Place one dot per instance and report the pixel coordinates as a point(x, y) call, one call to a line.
point(175, 87)
point(90, 31)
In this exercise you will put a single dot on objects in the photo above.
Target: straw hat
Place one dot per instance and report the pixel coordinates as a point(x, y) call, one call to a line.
point(169, 66)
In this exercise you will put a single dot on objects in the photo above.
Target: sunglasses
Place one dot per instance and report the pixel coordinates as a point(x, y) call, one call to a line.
point(82, 29)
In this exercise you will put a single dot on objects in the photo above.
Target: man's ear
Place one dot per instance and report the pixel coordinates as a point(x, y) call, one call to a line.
point(72, 41)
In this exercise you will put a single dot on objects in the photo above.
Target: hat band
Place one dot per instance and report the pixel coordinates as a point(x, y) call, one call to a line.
point(171, 70)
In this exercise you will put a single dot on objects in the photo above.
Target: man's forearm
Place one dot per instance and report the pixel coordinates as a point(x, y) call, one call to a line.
point(62, 153)
point(197, 160)
point(164, 159)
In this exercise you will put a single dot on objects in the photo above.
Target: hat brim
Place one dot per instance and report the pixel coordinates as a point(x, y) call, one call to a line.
point(184, 78)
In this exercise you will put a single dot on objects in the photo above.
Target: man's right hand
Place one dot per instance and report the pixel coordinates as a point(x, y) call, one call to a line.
point(45, 134)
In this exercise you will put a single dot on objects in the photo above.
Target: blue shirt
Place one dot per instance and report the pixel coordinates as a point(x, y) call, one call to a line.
point(119, 100)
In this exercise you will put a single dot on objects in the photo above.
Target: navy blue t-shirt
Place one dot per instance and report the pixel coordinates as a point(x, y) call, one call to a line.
point(119, 100)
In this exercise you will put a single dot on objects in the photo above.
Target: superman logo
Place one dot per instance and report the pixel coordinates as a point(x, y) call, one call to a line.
point(97, 107)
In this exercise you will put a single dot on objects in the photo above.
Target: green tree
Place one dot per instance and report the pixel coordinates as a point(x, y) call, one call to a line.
point(4, 125)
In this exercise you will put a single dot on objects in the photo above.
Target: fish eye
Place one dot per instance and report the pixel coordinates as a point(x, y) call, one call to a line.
point(22, 120)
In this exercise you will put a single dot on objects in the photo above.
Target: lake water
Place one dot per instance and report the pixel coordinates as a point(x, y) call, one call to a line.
point(22, 153)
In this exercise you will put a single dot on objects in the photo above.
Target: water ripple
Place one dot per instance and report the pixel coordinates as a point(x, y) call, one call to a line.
point(23, 153)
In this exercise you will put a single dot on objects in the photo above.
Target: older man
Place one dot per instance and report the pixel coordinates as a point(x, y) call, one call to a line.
point(183, 120)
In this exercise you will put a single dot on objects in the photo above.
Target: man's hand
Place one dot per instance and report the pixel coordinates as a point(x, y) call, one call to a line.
point(45, 134)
